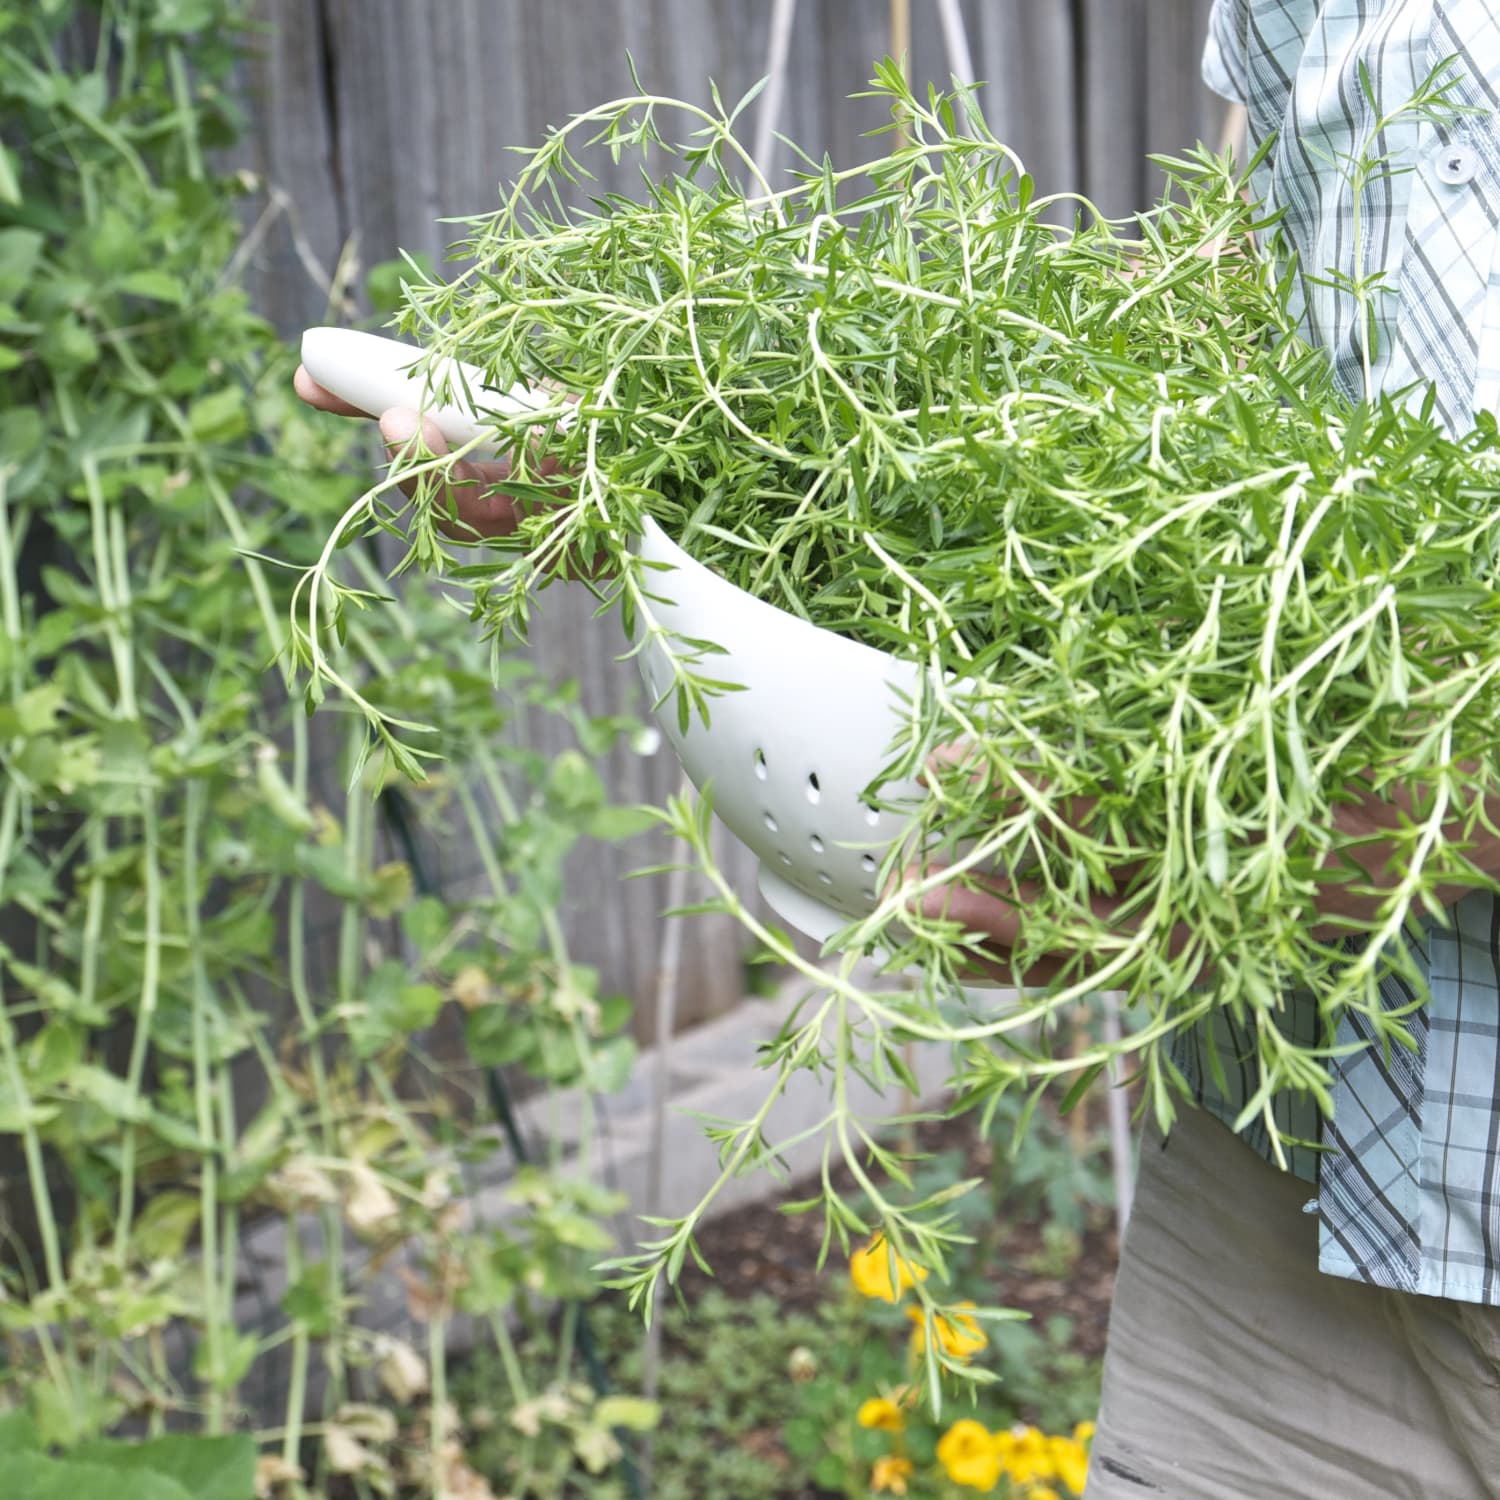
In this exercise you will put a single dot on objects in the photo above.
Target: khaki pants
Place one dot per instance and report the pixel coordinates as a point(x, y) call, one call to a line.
point(1237, 1371)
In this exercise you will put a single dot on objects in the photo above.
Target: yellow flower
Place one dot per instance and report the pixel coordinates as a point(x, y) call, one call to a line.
point(961, 1336)
point(968, 1456)
point(1083, 1432)
point(881, 1413)
point(890, 1473)
point(870, 1270)
point(1070, 1462)
point(1027, 1456)
point(1042, 1492)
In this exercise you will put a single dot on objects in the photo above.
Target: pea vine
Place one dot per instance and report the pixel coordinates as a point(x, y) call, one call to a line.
point(245, 1021)
point(1176, 598)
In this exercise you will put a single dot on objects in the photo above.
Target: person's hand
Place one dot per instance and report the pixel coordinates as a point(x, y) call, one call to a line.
point(996, 909)
point(472, 493)
point(1368, 823)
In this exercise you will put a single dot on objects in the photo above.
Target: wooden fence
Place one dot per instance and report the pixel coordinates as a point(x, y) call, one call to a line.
point(372, 119)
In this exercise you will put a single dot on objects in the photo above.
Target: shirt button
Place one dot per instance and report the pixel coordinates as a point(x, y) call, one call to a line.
point(1457, 166)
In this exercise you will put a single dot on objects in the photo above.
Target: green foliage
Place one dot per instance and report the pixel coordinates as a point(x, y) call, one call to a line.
point(165, 1468)
point(1043, 1172)
point(176, 844)
point(1178, 599)
point(761, 1401)
point(724, 1396)
point(208, 1468)
point(41, 1478)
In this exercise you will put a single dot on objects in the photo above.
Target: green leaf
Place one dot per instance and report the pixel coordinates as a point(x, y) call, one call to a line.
point(574, 783)
point(615, 1011)
point(10, 181)
point(829, 1471)
point(611, 823)
point(594, 1448)
point(494, 1038)
point(17, 1115)
point(111, 1094)
point(391, 1007)
point(1079, 1088)
point(419, 1006)
point(53, 1053)
point(426, 922)
point(23, 441)
point(383, 284)
point(165, 1224)
point(177, 1131)
point(31, 1476)
point(803, 1437)
point(17, 1435)
point(610, 1065)
point(20, 250)
point(63, 1418)
point(391, 887)
point(179, 17)
point(159, 286)
point(634, 1412)
point(68, 344)
point(34, 712)
point(580, 1232)
point(328, 864)
point(207, 1467)
point(310, 1299)
point(220, 416)
point(235, 1354)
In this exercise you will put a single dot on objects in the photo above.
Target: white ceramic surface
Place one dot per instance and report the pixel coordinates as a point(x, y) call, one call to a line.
point(789, 756)
point(375, 373)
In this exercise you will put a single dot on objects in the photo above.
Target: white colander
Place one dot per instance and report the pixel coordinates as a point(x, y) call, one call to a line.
point(789, 756)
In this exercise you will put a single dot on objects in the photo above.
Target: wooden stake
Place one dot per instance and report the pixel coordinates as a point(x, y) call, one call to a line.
point(901, 52)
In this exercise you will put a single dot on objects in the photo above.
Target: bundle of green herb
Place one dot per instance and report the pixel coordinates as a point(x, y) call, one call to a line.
point(1174, 596)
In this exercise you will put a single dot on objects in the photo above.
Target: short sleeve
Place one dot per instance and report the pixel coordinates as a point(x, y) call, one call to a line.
point(1226, 55)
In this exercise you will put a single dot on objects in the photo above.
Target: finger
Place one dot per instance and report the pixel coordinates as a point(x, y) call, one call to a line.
point(469, 502)
point(324, 400)
point(995, 914)
point(993, 965)
point(988, 906)
point(1009, 799)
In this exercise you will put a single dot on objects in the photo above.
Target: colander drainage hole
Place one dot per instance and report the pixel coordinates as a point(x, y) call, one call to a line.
point(868, 864)
point(872, 814)
point(825, 877)
point(814, 791)
point(786, 858)
point(771, 822)
point(817, 844)
point(760, 765)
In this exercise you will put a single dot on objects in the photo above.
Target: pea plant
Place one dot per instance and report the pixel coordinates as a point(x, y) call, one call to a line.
point(1176, 598)
point(220, 983)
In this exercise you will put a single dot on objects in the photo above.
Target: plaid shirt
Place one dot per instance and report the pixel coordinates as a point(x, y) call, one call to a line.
point(1408, 1186)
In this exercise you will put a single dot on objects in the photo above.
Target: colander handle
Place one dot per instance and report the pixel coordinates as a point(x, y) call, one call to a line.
point(375, 374)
